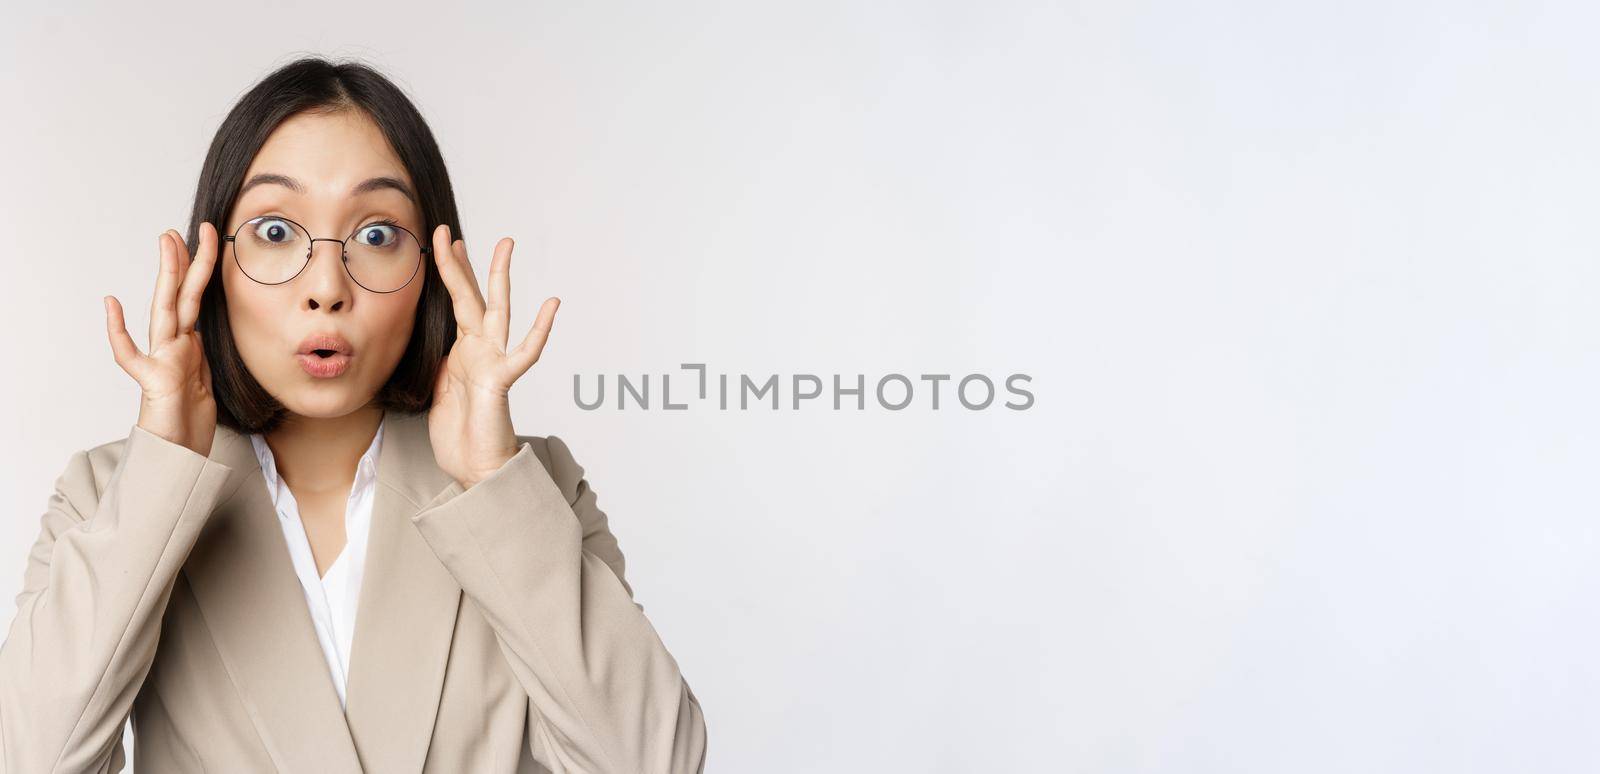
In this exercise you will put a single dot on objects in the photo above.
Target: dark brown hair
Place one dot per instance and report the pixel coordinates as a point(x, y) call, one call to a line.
point(318, 84)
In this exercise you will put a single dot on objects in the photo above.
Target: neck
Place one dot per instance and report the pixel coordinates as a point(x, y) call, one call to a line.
point(318, 454)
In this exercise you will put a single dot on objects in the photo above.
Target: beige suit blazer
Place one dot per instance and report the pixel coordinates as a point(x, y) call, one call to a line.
point(495, 630)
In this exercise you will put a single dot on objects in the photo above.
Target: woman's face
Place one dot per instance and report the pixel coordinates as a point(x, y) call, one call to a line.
point(318, 170)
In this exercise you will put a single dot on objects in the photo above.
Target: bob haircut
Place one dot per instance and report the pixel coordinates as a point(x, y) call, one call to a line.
point(320, 85)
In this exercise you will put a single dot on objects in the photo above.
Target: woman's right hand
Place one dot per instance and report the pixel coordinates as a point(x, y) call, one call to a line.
point(177, 402)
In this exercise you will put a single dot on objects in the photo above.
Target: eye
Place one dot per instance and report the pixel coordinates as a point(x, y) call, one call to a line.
point(377, 235)
point(273, 230)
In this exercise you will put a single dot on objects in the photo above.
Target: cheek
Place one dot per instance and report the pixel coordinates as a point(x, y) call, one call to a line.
point(389, 321)
point(253, 315)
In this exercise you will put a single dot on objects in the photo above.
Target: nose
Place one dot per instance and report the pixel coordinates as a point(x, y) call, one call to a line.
point(326, 283)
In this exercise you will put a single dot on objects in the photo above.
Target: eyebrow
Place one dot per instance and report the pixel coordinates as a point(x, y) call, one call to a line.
point(366, 186)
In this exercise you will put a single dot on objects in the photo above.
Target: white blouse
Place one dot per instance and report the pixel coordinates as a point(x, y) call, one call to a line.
point(331, 598)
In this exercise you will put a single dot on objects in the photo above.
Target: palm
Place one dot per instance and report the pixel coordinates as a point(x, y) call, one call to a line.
point(177, 370)
point(470, 421)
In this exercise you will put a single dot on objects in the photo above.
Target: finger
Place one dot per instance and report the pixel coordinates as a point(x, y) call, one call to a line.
point(163, 314)
point(497, 315)
point(460, 248)
point(123, 350)
point(205, 365)
point(183, 253)
point(196, 277)
point(527, 353)
point(462, 288)
point(180, 254)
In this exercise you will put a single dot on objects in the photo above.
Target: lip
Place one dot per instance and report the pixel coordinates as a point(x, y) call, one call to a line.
point(324, 367)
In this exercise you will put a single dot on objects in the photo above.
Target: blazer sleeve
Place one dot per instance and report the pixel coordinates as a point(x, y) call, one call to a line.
point(93, 594)
point(531, 549)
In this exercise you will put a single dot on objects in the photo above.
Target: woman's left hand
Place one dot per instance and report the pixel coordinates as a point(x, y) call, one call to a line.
point(470, 421)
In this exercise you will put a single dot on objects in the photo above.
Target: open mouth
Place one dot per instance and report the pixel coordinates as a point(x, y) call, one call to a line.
point(324, 363)
point(324, 355)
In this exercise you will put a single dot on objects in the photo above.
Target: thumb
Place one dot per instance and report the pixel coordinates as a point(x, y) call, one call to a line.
point(205, 363)
point(441, 378)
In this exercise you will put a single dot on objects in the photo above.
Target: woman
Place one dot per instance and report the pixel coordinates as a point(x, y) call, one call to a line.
point(324, 432)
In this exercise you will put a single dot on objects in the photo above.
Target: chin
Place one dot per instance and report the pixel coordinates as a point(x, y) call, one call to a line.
point(323, 401)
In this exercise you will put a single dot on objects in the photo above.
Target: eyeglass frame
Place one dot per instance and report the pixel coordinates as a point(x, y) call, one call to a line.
point(344, 252)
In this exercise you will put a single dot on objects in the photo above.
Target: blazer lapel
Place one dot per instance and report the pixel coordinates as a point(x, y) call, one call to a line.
point(252, 603)
point(406, 614)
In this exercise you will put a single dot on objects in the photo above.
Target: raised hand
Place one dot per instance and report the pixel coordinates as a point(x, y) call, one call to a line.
point(470, 421)
point(177, 402)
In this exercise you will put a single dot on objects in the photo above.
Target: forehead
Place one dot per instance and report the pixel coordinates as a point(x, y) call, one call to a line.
point(328, 154)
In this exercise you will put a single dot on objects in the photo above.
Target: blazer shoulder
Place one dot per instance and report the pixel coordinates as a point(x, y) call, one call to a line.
point(110, 451)
point(88, 472)
point(558, 461)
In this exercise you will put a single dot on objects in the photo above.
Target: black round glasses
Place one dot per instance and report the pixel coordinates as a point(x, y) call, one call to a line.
point(381, 256)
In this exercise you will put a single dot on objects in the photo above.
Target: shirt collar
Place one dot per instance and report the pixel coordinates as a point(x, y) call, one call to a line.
point(366, 468)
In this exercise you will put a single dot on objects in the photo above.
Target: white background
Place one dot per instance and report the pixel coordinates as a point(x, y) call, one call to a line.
point(1308, 292)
